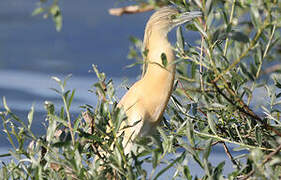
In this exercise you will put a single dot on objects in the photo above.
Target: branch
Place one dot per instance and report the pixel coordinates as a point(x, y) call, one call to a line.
point(270, 155)
point(130, 9)
point(231, 142)
point(190, 98)
point(246, 110)
point(267, 159)
point(229, 154)
point(272, 69)
point(245, 53)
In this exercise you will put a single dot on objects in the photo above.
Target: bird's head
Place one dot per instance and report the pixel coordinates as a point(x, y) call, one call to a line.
point(166, 18)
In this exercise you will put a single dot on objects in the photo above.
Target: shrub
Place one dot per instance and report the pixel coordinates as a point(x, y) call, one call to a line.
point(227, 93)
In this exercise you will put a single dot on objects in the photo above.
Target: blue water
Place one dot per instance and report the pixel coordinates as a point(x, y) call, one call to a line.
point(31, 51)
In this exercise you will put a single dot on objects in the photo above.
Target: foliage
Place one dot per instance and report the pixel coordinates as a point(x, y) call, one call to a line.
point(225, 93)
point(52, 9)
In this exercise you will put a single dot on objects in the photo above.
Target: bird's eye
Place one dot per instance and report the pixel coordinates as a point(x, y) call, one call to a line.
point(173, 16)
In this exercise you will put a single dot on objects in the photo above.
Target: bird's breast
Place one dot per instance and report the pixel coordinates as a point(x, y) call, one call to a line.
point(156, 95)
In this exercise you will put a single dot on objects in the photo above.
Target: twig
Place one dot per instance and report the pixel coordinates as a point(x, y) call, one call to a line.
point(229, 154)
point(201, 56)
point(267, 158)
point(270, 155)
point(199, 148)
point(69, 121)
point(90, 120)
point(272, 68)
point(133, 9)
point(261, 63)
point(245, 53)
point(190, 98)
point(230, 22)
point(246, 110)
point(231, 142)
point(268, 44)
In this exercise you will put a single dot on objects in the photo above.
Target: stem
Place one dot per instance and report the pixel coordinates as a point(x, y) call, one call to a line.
point(197, 62)
point(245, 109)
point(268, 44)
point(259, 68)
point(190, 98)
point(68, 119)
point(268, 158)
point(253, 43)
point(8, 133)
point(201, 57)
point(230, 22)
point(232, 142)
point(229, 154)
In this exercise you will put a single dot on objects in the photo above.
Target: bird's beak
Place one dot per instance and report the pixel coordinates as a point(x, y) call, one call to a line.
point(187, 16)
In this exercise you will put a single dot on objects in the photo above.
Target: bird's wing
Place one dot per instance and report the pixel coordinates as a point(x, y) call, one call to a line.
point(130, 103)
point(130, 98)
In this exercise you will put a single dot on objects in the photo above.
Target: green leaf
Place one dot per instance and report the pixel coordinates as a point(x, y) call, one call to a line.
point(170, 165)
point(163, 134)
point(56, 90)
point(277, 84)
point(198, 3)
point(62, 113)
point(132, 53)
point(70, 99)
point(30, 117)
point(49, 106)
point(191, 27)
point(258, 136)
point(54, 9)
point(187, 173)
point(211, 122)
point(194, 108)
point(246, 72)
point(155, 157)
point(190, 134)
point(209, 5)
point(193, 70)
point(207, 150)
point(56, 79)
point(86, 135)
point(134, 40)
point(164, 59)
point(61, 144)
point(37, 11)
point(253, 69)
point(58, 22)
point(5, 155)
point(225, 18)
point(255, 16)
point(218, 170)
point(66, 79)
point(65, 95)
point(5, 104)
point(200, 29)
point(239, 36)
point(57, 17)
point(180, 39)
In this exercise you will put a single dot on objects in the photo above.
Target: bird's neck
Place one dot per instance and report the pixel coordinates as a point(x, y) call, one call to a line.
point(157, 45)
point(159, 80)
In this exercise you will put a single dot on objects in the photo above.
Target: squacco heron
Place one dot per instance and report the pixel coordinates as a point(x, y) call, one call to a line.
point(146, 100)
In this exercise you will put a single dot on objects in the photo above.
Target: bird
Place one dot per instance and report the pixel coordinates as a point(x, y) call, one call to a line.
point(145, 101)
